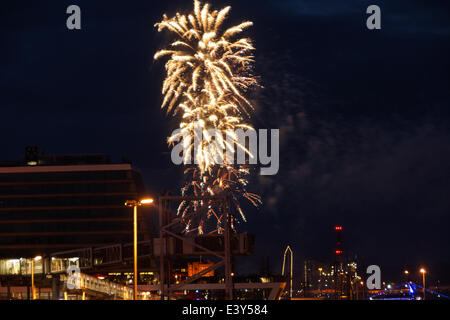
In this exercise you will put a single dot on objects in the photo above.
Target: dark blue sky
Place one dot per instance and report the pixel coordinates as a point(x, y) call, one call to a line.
point(364, 115)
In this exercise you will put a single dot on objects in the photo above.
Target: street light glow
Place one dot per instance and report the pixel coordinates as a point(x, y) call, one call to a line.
point(146, 201)
point(37, 258)
point(422, 270)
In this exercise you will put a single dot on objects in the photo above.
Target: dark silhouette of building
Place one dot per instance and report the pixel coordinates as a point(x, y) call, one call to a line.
point(54, 203)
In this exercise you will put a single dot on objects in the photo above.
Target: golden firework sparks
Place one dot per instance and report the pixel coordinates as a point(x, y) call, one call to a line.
point(207, 75)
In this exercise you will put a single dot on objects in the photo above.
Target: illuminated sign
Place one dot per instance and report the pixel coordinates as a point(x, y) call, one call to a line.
point(196, 267)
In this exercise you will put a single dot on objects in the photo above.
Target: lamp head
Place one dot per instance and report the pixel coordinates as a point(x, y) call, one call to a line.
point(146, 201)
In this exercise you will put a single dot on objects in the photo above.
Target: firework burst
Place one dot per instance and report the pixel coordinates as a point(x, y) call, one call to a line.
point(208, 72)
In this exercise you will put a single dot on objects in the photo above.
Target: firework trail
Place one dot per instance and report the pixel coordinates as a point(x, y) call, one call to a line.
point(208, 72)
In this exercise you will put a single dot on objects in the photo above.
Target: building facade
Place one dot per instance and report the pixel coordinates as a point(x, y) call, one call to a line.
point(56, 203)
point(330, 280)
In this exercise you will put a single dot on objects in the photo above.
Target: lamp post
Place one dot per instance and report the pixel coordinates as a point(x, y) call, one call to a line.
point(33, 289)
point(363, 289)
point(135, 204)
point(423, 271)
point(406, 274)
point(320, 281)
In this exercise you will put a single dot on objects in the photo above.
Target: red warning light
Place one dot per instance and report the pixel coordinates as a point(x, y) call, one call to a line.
point(338, 228)
point(338, 251)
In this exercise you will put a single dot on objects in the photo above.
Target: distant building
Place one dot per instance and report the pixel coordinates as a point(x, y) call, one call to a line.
point(50, 204)
point(318, 278)
point(330, 279)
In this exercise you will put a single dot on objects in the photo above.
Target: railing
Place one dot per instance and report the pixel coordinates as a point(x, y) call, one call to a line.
point(86, 282)
point(81, 258)
point(107, 255)
point(86, 258)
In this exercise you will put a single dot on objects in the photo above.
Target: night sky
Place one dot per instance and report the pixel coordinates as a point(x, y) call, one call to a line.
point(364, 116)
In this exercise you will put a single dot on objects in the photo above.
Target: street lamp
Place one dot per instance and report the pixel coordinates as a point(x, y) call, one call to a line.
point(135, 204)
point(320, 280)
point(33, 289)
point(363, 289)
point(406, 273)
point(423, 271)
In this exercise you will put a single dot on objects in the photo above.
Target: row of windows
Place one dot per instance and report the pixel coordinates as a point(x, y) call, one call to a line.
point(64, 176)
point(126, 186)
point(73, 213)
point(20, 266)
point(72, 240)
point(66, 226)
point(62, 202)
